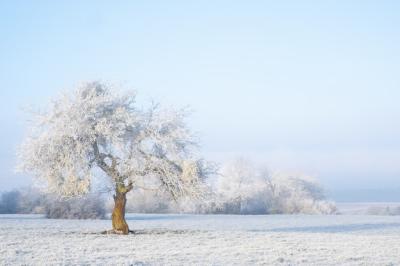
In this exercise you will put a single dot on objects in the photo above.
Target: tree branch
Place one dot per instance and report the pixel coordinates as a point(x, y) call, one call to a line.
point(99, 158)
point(164, 158)
point(121, 188)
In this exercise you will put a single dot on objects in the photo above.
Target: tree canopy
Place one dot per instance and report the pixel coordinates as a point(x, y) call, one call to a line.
point(96, 129)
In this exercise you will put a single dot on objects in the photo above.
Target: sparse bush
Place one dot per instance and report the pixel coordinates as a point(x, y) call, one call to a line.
point(89, 207)
point(30, 200)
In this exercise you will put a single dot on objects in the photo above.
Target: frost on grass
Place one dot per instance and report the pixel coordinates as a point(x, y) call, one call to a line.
point(204, 240)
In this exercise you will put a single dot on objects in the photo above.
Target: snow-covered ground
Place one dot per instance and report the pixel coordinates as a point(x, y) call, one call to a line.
point(204, 240)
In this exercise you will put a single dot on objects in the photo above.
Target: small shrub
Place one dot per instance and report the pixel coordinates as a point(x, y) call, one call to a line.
point(90, 207)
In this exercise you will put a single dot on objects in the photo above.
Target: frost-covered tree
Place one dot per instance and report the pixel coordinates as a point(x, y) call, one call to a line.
point(95, 130)
point(244, 188)
point(237, 184)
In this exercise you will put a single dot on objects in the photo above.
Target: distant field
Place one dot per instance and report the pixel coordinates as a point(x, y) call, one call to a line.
point(361, 208)
point(204, 239)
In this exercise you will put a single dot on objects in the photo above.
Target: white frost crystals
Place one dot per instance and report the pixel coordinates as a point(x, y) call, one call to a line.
point(94, 130)
point(244, 188)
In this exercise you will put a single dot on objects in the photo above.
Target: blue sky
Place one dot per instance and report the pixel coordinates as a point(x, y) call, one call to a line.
point(310, 86)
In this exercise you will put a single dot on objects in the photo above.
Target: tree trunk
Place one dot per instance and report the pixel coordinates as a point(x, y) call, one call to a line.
point(118, 215)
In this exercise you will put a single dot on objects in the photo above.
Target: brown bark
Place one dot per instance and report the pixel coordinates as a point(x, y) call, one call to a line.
point(118, 215)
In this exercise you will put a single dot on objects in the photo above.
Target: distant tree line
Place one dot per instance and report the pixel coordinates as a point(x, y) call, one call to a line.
point(242, 188)
point(32, 201)
point(239, 188)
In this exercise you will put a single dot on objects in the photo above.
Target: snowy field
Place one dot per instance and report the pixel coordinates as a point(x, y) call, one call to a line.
point(204, 240)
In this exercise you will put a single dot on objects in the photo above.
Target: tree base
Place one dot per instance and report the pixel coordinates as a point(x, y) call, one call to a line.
point(117, 232)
